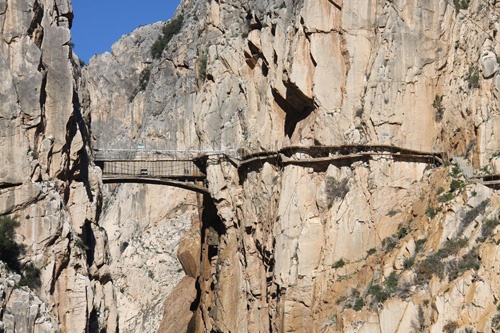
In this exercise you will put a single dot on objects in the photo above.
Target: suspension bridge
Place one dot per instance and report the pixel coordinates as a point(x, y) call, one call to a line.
point(187, 168)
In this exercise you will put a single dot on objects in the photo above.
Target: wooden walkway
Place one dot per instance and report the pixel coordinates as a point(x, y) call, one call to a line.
point(186, 168)
point(312, 155)
point(492, 181)
point(127, 166)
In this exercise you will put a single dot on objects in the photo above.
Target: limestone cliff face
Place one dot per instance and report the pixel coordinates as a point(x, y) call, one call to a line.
point(288, 248)
point(378, 245)
point(46, 182)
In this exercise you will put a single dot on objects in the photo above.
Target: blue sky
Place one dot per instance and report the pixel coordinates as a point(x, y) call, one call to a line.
point(99, 24)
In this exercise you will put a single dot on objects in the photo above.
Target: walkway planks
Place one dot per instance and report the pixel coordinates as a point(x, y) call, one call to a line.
point(185, 168)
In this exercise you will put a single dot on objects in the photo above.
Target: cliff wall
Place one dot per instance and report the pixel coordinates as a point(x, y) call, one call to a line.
point(379, 244)
point(342, 247)
point(46, 182)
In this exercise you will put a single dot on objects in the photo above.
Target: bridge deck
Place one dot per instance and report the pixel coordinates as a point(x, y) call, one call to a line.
point(184, 168)
point(173, 169)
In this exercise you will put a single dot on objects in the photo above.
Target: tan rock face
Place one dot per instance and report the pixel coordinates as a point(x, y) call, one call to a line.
point(302, 248)
point(331, 73)
point(177, 307)
point(45, 180)
point(144, 226)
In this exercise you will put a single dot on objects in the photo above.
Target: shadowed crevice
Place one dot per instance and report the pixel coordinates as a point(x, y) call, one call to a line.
point(296, 106)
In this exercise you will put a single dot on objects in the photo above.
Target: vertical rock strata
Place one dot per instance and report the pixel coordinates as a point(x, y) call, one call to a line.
point(382, 244)
point(313, 248)
point(46, 182)
point(291, 252)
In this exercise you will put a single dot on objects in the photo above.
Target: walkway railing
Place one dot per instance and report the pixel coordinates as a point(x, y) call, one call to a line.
point(176, 167)
point(155, 154)
point(185, 164)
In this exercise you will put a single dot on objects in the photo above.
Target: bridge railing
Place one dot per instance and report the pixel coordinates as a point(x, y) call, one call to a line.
point(176, 169)
point(250, 151)
point(155, 154)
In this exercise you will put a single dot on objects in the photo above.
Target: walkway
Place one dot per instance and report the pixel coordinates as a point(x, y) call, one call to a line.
point(150, 167)
point(492, 181)
point(186, 168)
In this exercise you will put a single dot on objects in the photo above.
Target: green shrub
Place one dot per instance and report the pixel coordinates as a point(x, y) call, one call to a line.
point(472, 214)
point(458, 267)
point(431, 212)
point(455, 171)
point(339, 264)
point(31, 277)
point(495, 322)
point(460, 4)
point(378, 293)
point(446, 197)
point(487, 228)
point(158, 47)
point(438, 105)
point(408, 263)
point(144, 79)
point(359, 112)
point(335, 189)
point(169, 30)
point(419, 244)
point(434, 264)
point(358, 304)
point(402, 231)
point(354, 302)
point(9, 249)
point(391, 283)
point(452, 247)
point(451, 327)
point(202, 66)
point(389, 243)
point(456, 185)
point(372, 251)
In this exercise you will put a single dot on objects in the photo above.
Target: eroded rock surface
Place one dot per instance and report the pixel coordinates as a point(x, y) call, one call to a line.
point(46, 182)
point(337, 246)
point(296, 248)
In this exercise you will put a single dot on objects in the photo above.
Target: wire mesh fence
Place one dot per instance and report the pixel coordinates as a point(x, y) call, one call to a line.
point(161, 168)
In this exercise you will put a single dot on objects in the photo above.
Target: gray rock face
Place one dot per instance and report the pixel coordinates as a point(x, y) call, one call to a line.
point(259, 75)
point(489, 64)
point(23, 311)
point(11, 133)
point(45, 180)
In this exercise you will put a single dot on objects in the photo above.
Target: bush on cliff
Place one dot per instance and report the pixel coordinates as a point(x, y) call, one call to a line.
point(172, 28)
point(9, 249)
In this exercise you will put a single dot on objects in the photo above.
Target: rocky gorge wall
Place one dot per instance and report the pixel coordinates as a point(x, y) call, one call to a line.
point(410, 73)
point(376, 245)
point(46, 182)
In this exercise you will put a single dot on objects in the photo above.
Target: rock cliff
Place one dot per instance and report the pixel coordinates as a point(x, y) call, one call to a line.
point(46, 182)
point(378, 245)
point(385, 243)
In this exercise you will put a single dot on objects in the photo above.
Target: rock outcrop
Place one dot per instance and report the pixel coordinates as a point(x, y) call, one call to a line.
point(341, 247)
point(46, 182)
point(379, 243)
